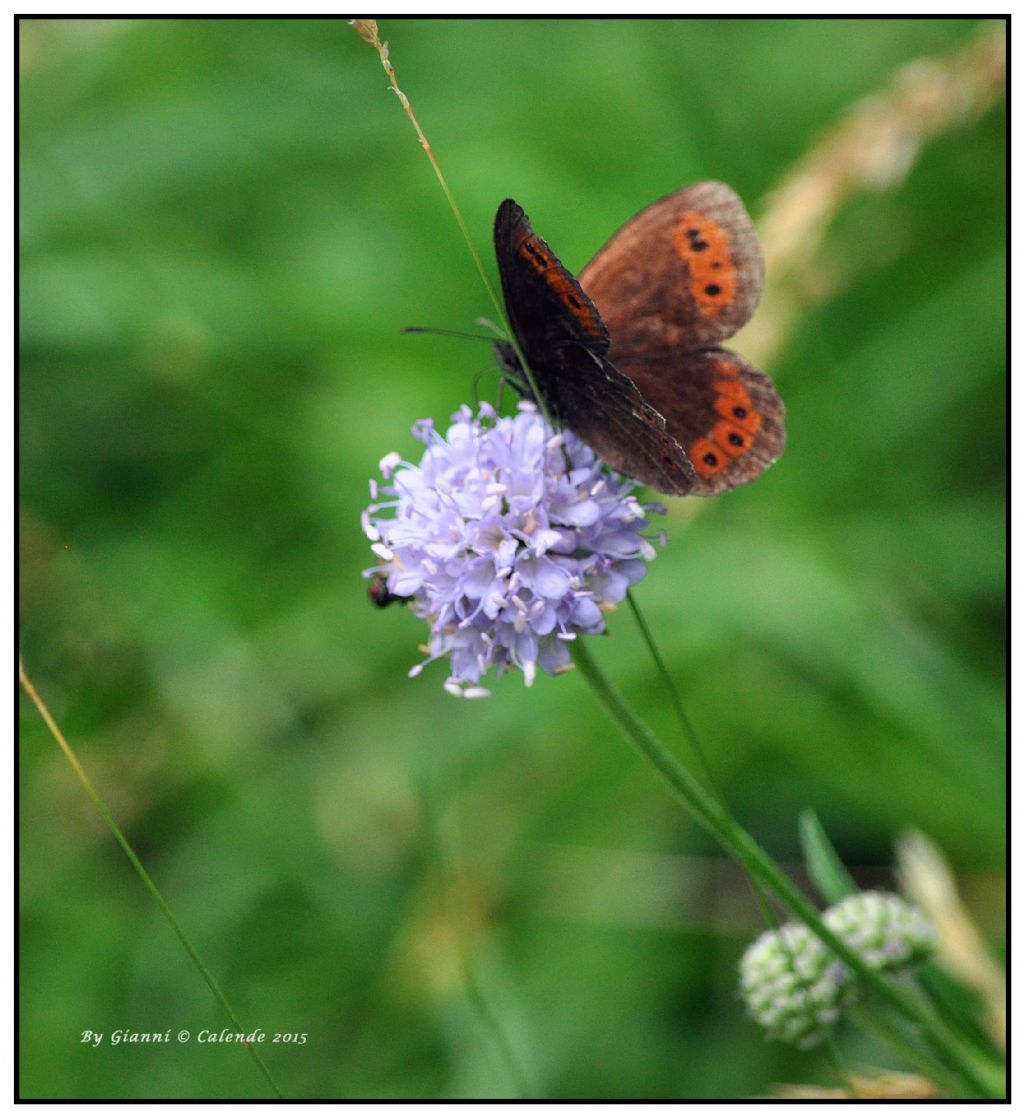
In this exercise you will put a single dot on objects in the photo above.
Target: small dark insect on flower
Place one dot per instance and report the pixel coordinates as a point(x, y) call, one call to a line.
point(379, 594)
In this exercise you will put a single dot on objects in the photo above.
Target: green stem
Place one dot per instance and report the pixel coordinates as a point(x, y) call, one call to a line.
point(368, 32)
point(690, 731)
point(710, 814)
point(875, 1024)
point(684, 719)
point(147, 880)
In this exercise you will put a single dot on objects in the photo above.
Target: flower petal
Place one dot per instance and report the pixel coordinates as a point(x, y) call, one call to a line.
point(507, 539)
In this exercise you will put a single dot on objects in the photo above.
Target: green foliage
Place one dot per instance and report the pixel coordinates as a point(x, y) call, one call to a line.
point(822, 863)
point(224, 226)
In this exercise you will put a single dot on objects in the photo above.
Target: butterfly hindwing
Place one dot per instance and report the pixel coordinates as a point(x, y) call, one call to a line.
point(726, 413)
point(604, 408)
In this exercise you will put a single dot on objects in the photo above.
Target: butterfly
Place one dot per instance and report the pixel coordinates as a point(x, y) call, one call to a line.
point(628, 355)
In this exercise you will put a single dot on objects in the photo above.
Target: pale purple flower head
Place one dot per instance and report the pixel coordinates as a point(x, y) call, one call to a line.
point(508, 539)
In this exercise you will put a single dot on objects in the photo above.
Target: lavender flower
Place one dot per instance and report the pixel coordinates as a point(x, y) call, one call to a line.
point(509, 540)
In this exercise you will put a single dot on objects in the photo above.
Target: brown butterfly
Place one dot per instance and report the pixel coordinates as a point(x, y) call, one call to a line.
point(628, 356)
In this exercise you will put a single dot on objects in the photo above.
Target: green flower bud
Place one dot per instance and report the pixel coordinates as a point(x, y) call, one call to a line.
point(886, 931)
point(793, 986)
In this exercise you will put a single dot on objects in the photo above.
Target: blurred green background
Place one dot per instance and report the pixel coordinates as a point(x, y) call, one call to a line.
point(224, 226)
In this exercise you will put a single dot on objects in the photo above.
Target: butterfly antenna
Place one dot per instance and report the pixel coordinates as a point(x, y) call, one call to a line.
point(443, 333)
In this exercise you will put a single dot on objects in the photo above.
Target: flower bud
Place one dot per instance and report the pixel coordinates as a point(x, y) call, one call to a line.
point(886, 931)
point(793, 986)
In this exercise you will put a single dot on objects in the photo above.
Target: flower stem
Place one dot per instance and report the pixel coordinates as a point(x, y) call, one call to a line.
point(883, 1030)
point(690, 732)
point(689, 729)
point(147, 880)
point(714, 818)
point(368, 31)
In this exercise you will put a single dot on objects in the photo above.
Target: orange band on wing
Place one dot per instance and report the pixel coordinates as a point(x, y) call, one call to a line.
point(734, 440)
point(708, 457)
point(707, 250)
point(733, 434)
point(732, 402)
point(562, 284)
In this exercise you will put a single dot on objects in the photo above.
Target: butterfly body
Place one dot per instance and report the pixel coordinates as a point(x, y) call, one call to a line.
point(627, 356)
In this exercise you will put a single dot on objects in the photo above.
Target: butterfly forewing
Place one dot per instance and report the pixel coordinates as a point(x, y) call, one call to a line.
point(546, 306)
point(685, 272)
point(564, 341)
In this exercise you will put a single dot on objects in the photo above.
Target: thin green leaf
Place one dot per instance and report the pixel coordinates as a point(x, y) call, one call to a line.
point(822, 862)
